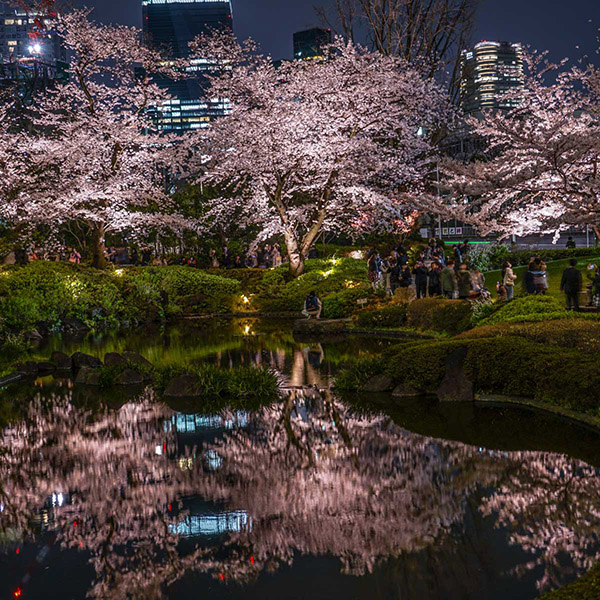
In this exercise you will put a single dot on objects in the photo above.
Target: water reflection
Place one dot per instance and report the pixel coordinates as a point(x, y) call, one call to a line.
point(147, 495)
point(227, 343)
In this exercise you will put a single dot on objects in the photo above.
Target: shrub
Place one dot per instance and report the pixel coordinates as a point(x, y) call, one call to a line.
point(329, 278)
point(48, 292)
point(339, 305)
point(504, 365)
point(527, 308)
point(438, 314)
point(354, 378)
point(482, 309)
point(419, 366)
point(393, 315)
point(577, 332)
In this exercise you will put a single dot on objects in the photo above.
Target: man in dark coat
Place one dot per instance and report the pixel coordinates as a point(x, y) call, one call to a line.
point(571, 285)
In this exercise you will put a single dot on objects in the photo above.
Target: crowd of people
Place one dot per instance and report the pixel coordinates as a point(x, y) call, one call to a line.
point(431, 275)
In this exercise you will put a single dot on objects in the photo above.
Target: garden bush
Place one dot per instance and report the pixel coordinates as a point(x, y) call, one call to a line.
point(390, 316)
point(49, 292)
point(578, 332)
point(438, 314)
point(329, 278)
point(215, 382)
point(45, 292)
point(527, 308)
point(354, 378)
point(509, 365)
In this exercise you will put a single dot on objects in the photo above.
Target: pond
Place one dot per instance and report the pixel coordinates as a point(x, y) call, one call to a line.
point(313, 497)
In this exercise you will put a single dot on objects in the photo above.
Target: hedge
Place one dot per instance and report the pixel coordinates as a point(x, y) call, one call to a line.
point(527, 308)
point(511, 366)
point(585, 588)
point(48, 293)
point(339, 282)
point(577, 332)
point(438, 314)
point(390, 316)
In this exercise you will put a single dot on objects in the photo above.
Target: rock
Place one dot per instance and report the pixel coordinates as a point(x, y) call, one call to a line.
point(183, 386)
point(456, 386)
point(74, 325)
point(319, 326)
point(402, 391)
point(33, 335)
point(79, 360)
point(129, 377)
point(28, 368)
point(46, 368)
point(379, 383)
point(112, 359)
point(136, 359)
point(88, 376)
point(62, 361)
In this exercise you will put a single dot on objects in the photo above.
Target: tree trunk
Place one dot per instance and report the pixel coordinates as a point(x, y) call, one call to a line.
point(295, 255)
point(98, 256)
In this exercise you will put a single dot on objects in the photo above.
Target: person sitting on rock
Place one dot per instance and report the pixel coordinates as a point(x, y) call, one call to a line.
point(312, 306)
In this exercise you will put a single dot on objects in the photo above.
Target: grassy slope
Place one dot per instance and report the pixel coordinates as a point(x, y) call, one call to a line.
point(555, 269)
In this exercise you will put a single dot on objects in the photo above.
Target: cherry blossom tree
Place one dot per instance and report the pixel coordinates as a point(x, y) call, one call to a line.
point(92, 155)
point(540, 172)
point(315, 146)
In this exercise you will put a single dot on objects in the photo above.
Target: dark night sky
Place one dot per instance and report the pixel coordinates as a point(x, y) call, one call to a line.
point(557, 25)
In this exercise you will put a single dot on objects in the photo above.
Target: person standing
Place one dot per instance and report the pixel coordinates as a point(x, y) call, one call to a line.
point(508, 280)
point(372, 270)
point(420, 273)
point(571, 245)
point(571, 284)
point(449, 281)
point(465, 286)
point(435, 281)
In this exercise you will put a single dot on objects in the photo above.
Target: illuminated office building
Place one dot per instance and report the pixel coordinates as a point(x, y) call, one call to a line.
point(31, 54)
point(169, 26)
point(309, 44)
point(488, 72)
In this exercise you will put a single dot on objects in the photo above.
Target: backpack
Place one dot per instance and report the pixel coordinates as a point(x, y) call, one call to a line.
point(312, 303)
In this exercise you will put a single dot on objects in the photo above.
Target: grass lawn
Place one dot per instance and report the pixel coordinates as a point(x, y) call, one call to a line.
point(555, 270)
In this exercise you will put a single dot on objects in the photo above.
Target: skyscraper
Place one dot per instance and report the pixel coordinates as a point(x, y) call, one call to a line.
point(169, 26)
point(309, 44)
point(488, 72)
point(31, 53)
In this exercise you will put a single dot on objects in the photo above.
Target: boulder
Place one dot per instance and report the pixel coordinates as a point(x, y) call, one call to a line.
point(79, 360)
point(112, 359)
point(183, 386)
point(319, 326)
point(379, 383)
point(136, 359)
point(456, 386)
point(62, 361)
point(402, 391)
point(129, 377)
point(28, 368)
point(88, 376)
point(74, 325)
point(46, 368)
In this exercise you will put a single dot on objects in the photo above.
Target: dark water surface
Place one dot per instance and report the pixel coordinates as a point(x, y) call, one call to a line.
point(311, 498)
